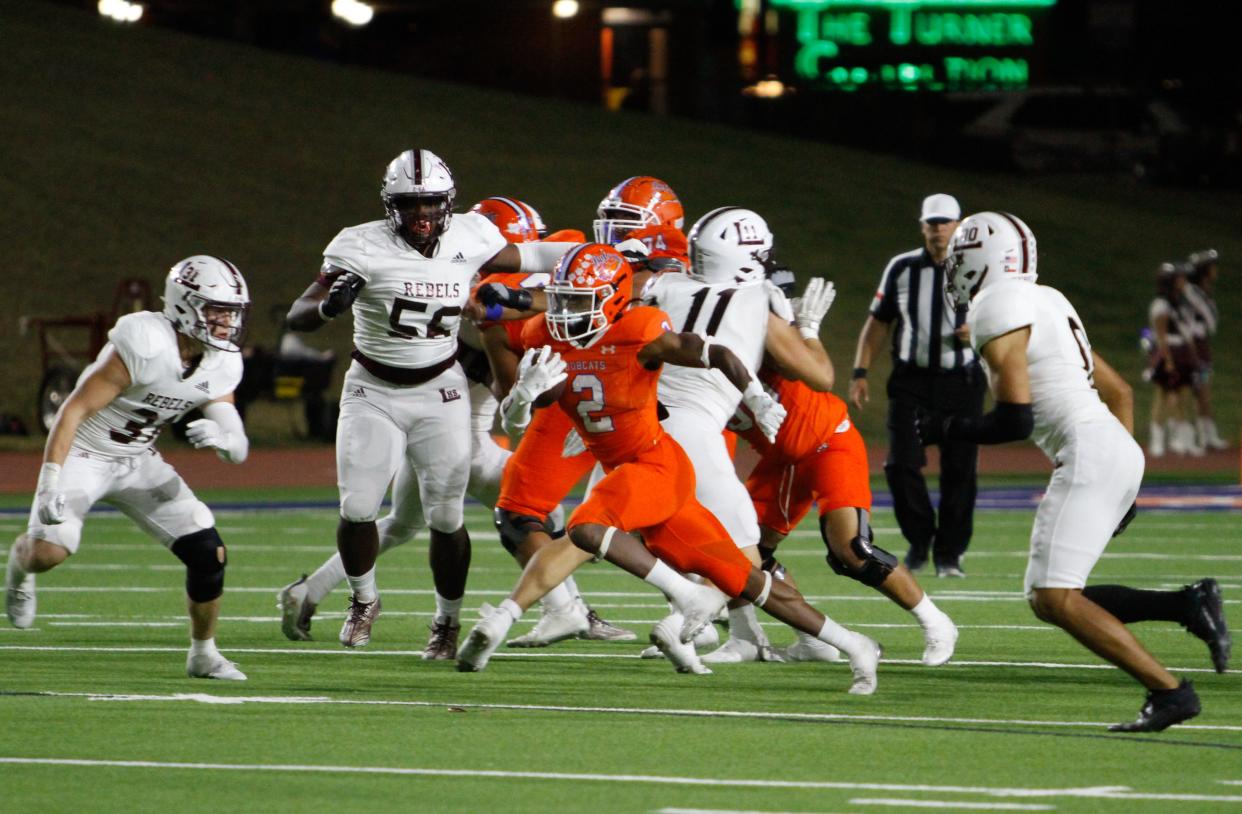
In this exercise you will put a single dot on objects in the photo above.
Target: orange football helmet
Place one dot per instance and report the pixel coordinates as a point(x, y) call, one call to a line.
point(517, 221)
point(634, 203)
point(590, 287)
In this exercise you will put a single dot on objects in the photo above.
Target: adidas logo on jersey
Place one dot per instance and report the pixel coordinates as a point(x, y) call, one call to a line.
point(358, 393)
point(204, 386)
point(458, 258)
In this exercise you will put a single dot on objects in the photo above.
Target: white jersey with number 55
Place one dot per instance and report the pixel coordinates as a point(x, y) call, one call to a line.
point(408, 312)
point(1058, 355)
point(733, 314)
point(158, 393)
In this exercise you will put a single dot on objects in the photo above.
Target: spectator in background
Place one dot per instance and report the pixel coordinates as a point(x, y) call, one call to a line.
point(1174, 365)
point(1201, 312)
point(934, 371)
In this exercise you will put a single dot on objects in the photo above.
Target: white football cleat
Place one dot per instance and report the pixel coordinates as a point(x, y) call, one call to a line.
point(651, 652)
point(19, 596)
point(212, 665)
point(863, 664)
point(295, 611)
point(733, 651)
point(665, 635)
point(940, 638)
point(554, 626)
point(701, 606)
point(705, 638)
point(484, 638)
point(808, 648)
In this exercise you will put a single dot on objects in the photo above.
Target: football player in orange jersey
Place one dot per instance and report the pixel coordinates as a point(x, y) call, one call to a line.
point(601, 363)
point(819, 456)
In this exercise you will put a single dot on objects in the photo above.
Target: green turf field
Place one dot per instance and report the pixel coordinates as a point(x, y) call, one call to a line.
point(1014, 723)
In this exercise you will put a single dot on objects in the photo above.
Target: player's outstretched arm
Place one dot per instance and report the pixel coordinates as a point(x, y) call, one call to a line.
point(692, 350)
point(1115, 392)
point(91, 395)
point(1012, 418)
point(798, 357)
point(324, 300)
point(221, 429)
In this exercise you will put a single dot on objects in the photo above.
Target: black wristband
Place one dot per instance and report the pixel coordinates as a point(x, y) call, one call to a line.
point(860, 373)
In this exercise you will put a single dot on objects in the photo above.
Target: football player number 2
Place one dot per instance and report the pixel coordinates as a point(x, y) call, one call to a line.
point(431, 328)
point(594, 402)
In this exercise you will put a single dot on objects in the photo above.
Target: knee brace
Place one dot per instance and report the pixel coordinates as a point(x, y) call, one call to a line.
point(877, 563)
point(515, 528)
point(769, 563)
point(204, 556)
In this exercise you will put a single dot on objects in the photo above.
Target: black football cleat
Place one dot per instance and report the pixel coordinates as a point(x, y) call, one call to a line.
point(1207, 621)
point(1162, 709)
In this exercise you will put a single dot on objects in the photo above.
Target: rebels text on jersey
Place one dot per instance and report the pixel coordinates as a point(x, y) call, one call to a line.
point(157, 394)
point(408, 312)
point(609, 395)
point(732, 314)
point(1058, 355)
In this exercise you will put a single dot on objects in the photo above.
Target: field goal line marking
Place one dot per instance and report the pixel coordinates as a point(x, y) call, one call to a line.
point(1096, 792)
point(826, 717)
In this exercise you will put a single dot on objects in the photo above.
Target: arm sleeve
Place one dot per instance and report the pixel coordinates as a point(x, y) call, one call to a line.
point(541, 256)
point(1007, 422)
point(884, 304)
point(237, 445)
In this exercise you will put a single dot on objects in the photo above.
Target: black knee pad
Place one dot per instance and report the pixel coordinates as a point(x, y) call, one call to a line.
point(205, 556)
point(515, 528)
point(769, 563)
point(877, 563)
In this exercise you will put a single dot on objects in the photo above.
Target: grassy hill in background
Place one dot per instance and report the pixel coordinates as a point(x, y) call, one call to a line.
point(126, 149)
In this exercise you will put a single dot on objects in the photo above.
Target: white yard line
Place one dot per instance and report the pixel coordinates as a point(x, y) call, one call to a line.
point(1105, 792)
point(206, 698)
point(954, 804)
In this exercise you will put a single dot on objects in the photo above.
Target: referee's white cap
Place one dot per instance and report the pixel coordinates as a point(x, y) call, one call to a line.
point(940, 207)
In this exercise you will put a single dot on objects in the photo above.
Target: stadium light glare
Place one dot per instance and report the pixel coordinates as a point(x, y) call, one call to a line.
point(121, 11)
point(564, 9)
point(354, 12)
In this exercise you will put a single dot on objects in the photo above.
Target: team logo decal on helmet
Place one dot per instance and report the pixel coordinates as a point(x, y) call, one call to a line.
point(206, 298)
point(518, 222)
point(590, 287)
point(985, 249)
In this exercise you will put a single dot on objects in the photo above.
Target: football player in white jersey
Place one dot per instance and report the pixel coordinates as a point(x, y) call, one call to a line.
point(404, 401)
point(155, 368)
point(725, 298)
point(1050, 385)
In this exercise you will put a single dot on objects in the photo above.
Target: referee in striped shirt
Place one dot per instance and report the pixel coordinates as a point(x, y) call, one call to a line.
point(934, 370)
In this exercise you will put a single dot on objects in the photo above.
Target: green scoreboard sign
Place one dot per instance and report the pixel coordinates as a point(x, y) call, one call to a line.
point(916, 45)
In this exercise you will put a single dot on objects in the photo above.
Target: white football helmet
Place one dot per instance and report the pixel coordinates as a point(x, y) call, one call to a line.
point(985, 249)
point(728, 245)
point(418, 176)
point(206, 298)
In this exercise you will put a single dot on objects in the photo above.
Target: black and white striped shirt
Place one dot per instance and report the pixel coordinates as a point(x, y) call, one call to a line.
point(912, 293)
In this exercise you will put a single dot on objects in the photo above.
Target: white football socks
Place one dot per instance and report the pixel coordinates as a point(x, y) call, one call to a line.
point(202, 647)
point(743, 625)
point(510, 607)
point(673, 584)
point(363, 587)
point(558, 600)
point(448, 610)
point(926, 612)
point(839, 637)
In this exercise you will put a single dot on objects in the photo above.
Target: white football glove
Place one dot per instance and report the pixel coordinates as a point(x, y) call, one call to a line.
point(633, 250)
point(49, 499)
point(768, 411)
point(203, 433)
point(539, 371)
point(574, 445)
point(778, 303)
point(813, 305)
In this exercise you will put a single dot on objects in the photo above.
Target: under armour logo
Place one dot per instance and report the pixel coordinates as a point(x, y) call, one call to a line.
point(358, 393)
point(204, 386)
point(608, 349)
point(449, 394)
point(458, 258)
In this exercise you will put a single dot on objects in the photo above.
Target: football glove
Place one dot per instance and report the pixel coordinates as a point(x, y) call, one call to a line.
point(814, 304)
point(778, 303)
point(519, 299)
point(633, 250)
point(768, 411)
point(49, 499)
point(539, 371)
point(341, 295)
